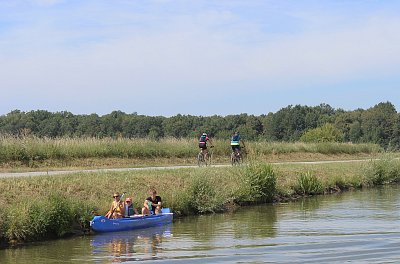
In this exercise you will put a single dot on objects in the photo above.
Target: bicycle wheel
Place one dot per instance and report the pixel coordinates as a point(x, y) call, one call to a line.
point(233, 158)
point(200, 159)
point(208, 160)
point(238, 159)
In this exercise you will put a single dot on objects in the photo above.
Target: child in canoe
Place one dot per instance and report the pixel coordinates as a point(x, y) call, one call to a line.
point(129, 208)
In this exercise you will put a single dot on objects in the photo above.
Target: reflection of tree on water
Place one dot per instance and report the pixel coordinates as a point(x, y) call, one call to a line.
point(248, 221)
point(257, 222)
point(130, 245)
point(310, 205)
point(384, 196)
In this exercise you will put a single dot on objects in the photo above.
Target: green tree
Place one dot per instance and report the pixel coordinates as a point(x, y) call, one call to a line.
point(325, 133)
point(378, 123)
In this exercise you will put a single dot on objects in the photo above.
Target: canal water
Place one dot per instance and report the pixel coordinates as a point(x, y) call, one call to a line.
point(354, 227)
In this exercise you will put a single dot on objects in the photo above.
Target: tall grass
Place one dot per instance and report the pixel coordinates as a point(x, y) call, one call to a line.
point(202, 196)
point(382, 171)
point(264, 148)
point(308, 183)
point(259, 183)
point(28, 150)
point(32, 148)
point(36, 219)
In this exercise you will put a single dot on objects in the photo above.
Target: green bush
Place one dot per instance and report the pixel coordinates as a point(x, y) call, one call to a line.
point(181, 204)
point(325, 133)
point(17, 223)
point(82, 213)
point(203, 196)
point(34, 220)
point(308, 183)
point(339, 182)
point(379, 172)
point(2, 226)
point(357, 181)
point(259, 183)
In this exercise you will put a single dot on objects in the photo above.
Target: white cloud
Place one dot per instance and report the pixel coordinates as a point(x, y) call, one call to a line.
point(194, 55)
point(142, 55)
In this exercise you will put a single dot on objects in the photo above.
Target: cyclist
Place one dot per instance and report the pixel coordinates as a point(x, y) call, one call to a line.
point(235, 143)
point(203, 144)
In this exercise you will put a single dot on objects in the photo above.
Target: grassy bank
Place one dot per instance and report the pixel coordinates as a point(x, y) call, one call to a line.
point(38, 153)
point(46, 207)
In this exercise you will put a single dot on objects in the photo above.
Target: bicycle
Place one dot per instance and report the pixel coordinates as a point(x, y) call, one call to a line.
point(202, 161)
point(236, 158)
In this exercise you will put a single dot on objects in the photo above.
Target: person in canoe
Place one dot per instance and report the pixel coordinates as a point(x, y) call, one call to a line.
point(152, 204)
point(129, 208)
point(117, 209)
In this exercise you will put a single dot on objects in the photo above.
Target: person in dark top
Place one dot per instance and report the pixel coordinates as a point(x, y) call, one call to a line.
point(152, 204)
point(203, 144)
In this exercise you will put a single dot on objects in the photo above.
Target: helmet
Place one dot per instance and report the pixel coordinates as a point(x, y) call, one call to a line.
point(204, 134)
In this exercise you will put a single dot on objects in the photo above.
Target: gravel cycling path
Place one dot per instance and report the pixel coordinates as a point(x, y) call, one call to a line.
point(62, 172)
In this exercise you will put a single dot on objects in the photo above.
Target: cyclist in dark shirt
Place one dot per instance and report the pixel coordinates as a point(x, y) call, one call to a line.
point(203, 144)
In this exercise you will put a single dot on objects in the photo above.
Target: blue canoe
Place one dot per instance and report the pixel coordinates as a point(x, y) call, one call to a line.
point(103, 224)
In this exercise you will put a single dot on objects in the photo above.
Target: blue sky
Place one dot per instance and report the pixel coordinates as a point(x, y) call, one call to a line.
point(162, 57)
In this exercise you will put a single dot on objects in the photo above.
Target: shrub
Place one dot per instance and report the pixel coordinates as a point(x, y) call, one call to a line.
point(203, 196)
point(82, 213)
point(59, 216)
point(181, 203)
point(259, 182)
point(385, 170)
point(325, 133)
point(377, 173)
point(33, 220)
point(339, 182)
point(17, 223)
point(357, 181)
point(308, 183)
point(2, 226)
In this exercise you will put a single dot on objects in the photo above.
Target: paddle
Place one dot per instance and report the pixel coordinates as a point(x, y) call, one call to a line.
point(115, 207)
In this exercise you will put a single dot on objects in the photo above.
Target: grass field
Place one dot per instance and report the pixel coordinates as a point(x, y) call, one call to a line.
point(31, 153)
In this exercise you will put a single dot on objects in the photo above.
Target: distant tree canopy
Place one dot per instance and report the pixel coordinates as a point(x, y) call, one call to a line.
point(379, 124)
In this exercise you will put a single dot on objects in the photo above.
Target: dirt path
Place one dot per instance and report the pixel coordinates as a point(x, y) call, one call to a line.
point(62, 172)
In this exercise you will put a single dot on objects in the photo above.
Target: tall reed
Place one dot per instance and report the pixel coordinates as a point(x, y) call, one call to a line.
point(308, 183)
point(30, 149)
point(382, 171)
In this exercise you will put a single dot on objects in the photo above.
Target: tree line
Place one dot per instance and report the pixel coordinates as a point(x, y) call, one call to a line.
point(379, 124)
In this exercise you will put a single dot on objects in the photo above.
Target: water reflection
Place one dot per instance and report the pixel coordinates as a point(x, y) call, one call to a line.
point(129, 245)
point(247, 222)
